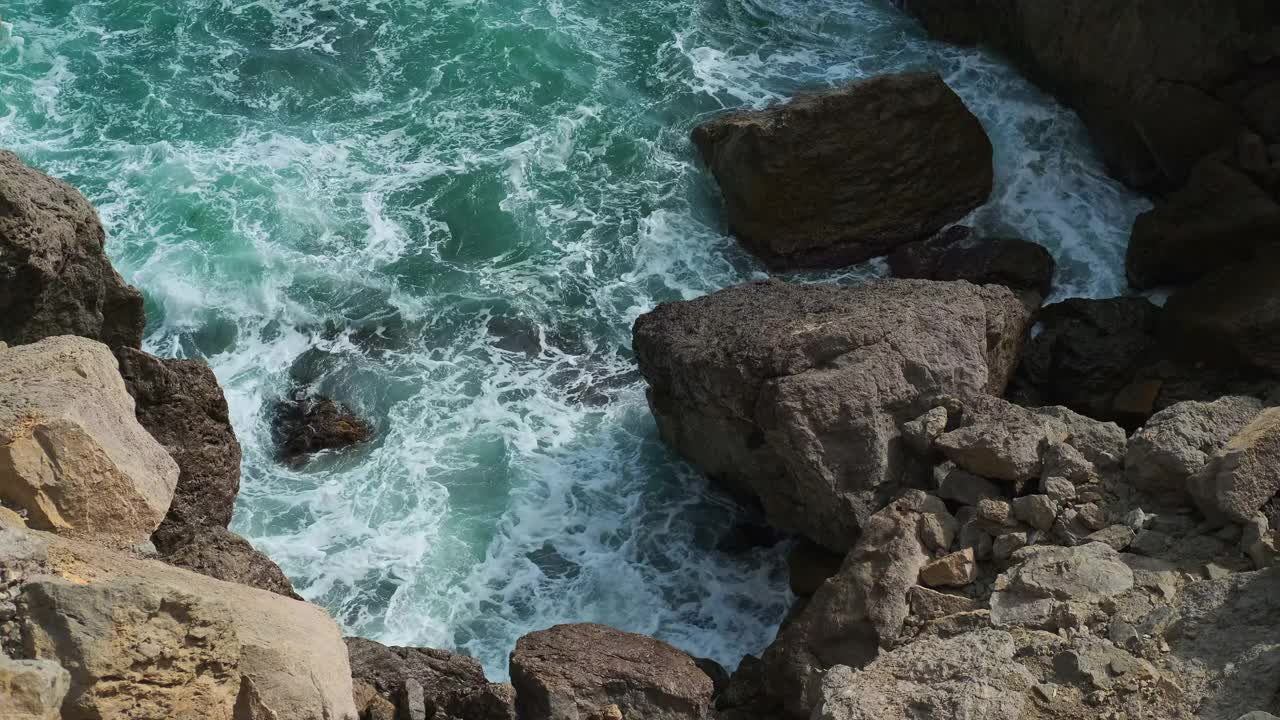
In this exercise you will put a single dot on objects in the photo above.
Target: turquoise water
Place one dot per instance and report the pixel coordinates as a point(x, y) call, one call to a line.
point(448, 214)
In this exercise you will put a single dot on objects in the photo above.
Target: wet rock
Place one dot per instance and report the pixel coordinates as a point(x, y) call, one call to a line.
point(1244, 474)
point(837, 177)
point(32, 689)
point(972, 675)
point(580, 670)
point(443, 684)
point(794, 395)
point(302, 425)
point(1178, 441)
point(74, 458)
point(956, 255)
point(55, 278)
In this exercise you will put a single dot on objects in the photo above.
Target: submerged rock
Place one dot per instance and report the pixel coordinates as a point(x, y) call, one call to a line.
point(72, 455)
point(302, 425)
point(581, 671)
point(837, 177)
point(795, 395)
point(55, 278)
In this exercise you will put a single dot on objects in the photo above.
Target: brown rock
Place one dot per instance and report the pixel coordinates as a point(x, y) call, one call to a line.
point(954, 570)
point(55, 278)
point(809, 565)
point(219, 553)
point(956, 255)
point(1230, 318)
point(838, 177)
point(302, 425)
point(580, 670)
point(452, 685)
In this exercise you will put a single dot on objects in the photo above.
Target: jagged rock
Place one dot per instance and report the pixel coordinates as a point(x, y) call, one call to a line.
point(1046, 584)
point(1178, 441)
point(837, 177)
point(32, 689)
point(1229, 318)
point(1117, 537)
point(954, 570)
point(1158, 90)
point(201, 644)
point(809, 565)
point(71, 453)
point(1089, 355)
point(1038, 511)
point(1225, 644)
point(974, 675)
point(1003, 451)
point(1260, 542)
point(302, 425)
point(955, 255)
point(55, 278)
point(579, 670)
point(1058, 489)
point(928, 605)
point(448, 685)
point(1244, 474)
point(921, 432)
point(795, 394)
point(966, 488)
point(1222, 216)
point(370, 705)
point(1006, 544)
point(995, 515)
point(219, 553)
point(859, 609)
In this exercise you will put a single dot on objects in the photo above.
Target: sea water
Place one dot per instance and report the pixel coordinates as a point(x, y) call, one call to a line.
point(447, 214)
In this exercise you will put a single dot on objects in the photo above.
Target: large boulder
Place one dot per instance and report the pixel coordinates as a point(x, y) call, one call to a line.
point(794, 395)
point(1177, 443)
point(1158, 89)
point(579, 672)
point(863, 607)
point(55, 278)
point(974, 675)
point(1244, 475)
point(1222, 216)
point(838, 177)
point(71, 453)
point(955, 255)
point(451, 686)
point(144, 640)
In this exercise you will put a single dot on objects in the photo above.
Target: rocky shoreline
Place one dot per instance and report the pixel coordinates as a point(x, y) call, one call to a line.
point(1003, 510)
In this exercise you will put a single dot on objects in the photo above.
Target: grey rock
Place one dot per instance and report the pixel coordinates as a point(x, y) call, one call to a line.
point(1118, 537)
point(929, 605)
point(1038, 511)
point(1178, 441)
point(954, 570)
point(32, 689)
point(966, 488)
point(920, 433)
point(1046, 584)
point(1244, 474)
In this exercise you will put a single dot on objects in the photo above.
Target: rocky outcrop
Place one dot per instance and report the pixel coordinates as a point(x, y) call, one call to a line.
point(955, 255)
point(838, 177)
point(55, 278)
point(593, 671)
point(71, 453)
point(1158, 90)
point(302, 425)
point(446, 685)
point(794, 395)
point(142, 639)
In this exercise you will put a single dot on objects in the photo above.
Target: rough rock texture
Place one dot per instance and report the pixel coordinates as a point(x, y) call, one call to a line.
point(71, 453)
point(1230, 318)
point(32, 689)
point(1088, 356)
point(301, 425)
point(55, 278)
point(974, 676)
point(1158, 89)
point(569, 672)
point(860, 609)
point(177, 640)
point(1244, 475)
point(838, 177)
point(181, 404)
point(1048, 586)
point(453, 686)
point(795, 395)
point(954, 255)
point(1222, 216)
point(1177, 442)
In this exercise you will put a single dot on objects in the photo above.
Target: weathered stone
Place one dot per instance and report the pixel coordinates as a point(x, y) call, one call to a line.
point(1046, 583)
point(1038, 511)
point(837, 177)
point(1228, 319)
point(958, 568)
point(996, 450)
point(219, 553)
point(794, 395)
point(1058, 489)
point(809, 565)
point(1117, 537)
point(445, 684)
point(973, 675)
point(573, 671)
point(921, 432)
point(32, 689)
point(1178, 441)
point(143, 639)
point(966, 488)
point(71, 453)
point(1260, 542)
point(1003, 547)
point(995, 515)
point(370, 705)
point(302, 425)
point(1243, 475)
point(55, 278)
point(956, 255)
point(929, 605)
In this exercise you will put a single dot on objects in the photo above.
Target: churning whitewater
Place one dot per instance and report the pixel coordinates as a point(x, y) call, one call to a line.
point(447, 214)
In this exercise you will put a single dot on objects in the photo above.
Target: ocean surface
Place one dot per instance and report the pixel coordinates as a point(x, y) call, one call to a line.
point(447, 214)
